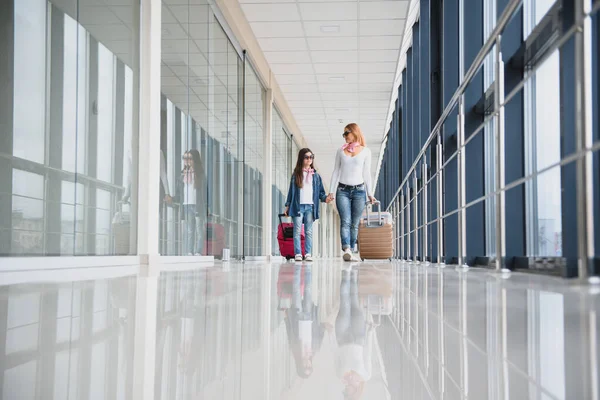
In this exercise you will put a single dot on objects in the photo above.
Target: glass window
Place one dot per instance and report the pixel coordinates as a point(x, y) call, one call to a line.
point(72, 94)
point(489, 78)
point(201, 141)
point(282, 171)
point(29, 79)
point(543, 146)
point(254, 143)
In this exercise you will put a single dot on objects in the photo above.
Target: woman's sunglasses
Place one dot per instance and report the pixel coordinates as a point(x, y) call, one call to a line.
point(346, 133)
point(186, 157)
point(312, 157)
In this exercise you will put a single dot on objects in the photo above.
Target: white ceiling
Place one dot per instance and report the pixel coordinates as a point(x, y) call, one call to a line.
point(335, 62)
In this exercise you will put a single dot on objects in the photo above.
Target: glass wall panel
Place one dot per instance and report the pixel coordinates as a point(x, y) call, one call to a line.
point(543, 134)
point(201, 140)
point(489, 68)
point(281, 172)
point(68, 127)
point(185, 147)
point(254, 105)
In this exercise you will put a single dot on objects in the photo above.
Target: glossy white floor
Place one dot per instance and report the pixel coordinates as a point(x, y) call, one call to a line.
point(297, 331)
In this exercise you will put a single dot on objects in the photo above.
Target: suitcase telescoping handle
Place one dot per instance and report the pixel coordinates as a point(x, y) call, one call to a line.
point(281, 216)
point(370, 208)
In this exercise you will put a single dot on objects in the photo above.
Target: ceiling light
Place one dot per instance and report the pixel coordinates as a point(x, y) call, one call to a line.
point(337, 79)
point(342, 110)
point(330, 28)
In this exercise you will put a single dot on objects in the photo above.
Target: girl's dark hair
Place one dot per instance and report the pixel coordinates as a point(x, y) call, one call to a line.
point(298, 171)
point(198, 167)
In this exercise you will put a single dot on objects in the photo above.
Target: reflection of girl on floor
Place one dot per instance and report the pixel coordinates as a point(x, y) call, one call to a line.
point(354, 337)
point(305, 333)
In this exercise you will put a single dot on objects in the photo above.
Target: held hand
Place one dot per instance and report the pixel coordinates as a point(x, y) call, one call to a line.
point(330, 198)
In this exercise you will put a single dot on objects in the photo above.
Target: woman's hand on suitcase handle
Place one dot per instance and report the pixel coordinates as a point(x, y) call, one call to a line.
point(372, 200)
point(287, 209)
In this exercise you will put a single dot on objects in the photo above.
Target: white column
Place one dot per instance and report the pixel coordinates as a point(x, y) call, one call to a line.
point(149, 135)
point(267, 217)
point(144, 356)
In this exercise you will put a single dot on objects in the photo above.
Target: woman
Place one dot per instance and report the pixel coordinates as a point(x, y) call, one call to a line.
point(305, 333)
point(352, 337)
point(302, 204)
point(193, 198)
point(351, 183)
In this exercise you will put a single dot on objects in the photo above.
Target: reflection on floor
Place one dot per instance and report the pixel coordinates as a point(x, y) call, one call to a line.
point(300, 331)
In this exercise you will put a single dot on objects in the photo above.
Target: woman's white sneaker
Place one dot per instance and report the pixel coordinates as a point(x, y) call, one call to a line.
point(298, 257)
point(347, 255)
point(308, 257)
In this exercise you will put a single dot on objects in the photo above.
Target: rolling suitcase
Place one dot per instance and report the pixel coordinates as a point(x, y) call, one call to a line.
point(376, 234)
point(215, 239)
point(285, 237)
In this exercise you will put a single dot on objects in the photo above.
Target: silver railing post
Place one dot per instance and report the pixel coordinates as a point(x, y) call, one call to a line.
point(402, 226)
point(584, 137)
point(500, 164)
point(408, 232)
point(425, 217)
point(440, 200)
point(416, 218)
point(462, 225)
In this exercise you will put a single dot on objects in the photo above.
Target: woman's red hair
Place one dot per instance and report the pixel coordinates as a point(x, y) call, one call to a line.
point(358, 135)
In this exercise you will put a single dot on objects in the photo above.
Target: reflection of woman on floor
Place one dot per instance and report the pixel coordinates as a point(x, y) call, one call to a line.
point(305, 333)
point(354, 338)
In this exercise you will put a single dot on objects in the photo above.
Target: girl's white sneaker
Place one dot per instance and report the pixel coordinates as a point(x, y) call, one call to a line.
point(308, 257)
point(298, 257)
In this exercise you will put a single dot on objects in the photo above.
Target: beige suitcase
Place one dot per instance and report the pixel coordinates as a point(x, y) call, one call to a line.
point(376, 235)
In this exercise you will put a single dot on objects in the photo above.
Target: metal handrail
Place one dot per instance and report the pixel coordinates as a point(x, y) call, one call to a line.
point(518, 87)
point(477, 63)
point(410, 201)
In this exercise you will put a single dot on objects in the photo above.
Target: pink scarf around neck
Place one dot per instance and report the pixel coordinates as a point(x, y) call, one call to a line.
point(188, 176)
point(350, 147)
point(309, 174)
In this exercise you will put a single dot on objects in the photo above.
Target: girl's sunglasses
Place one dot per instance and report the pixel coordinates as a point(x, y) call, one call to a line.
point(346, 133)
point(186, 157)
point(312, 157)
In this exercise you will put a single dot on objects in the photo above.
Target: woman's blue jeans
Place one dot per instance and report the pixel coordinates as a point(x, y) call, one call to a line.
point(350, 204)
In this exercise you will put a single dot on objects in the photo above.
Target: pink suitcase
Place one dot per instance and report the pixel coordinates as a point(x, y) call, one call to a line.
point(285, 237)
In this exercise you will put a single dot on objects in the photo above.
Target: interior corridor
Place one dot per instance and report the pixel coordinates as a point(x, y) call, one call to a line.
point(259, 331)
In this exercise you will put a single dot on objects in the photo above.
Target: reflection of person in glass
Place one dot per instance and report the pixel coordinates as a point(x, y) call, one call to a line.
point(304, 332)
point(193, 199)
point(354, 339)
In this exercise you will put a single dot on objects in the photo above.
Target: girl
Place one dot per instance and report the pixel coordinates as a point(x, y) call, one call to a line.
point(302, 204)
point(351, 183)
point(305, 333)
point(193, 198)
